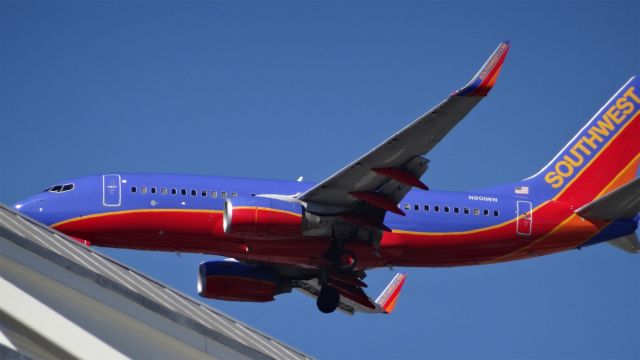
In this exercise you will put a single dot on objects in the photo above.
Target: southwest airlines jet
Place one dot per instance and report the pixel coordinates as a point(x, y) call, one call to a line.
point(320, 238)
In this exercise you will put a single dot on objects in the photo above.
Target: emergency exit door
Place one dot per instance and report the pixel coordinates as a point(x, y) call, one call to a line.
point(524, 223)
point(111, 190)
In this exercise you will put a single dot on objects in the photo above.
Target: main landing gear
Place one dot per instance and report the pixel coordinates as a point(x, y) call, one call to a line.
point(344, 261)
point(328, 299)
point(340, 260)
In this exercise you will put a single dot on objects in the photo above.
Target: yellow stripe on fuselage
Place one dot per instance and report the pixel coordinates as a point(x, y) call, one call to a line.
point(466, 232)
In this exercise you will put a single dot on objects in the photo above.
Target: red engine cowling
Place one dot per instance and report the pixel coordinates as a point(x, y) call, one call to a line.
point(230, 280)
point(256, 217)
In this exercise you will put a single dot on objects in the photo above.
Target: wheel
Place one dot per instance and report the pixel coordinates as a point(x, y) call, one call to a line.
point(345, 261)
point(328, 299)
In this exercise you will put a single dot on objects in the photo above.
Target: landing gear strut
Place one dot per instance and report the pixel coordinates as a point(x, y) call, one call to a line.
point(342, 260)
point(328, 299)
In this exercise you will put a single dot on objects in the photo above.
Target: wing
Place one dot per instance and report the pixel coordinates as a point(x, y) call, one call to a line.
point(353, 299)
point(377, 181)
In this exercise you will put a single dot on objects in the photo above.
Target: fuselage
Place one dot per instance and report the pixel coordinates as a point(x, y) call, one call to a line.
point(185, 213)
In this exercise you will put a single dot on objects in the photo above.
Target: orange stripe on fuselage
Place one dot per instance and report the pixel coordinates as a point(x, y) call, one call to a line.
point(479, 246)
point(572, 232)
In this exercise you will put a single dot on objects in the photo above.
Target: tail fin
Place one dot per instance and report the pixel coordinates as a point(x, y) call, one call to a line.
point(603, 156)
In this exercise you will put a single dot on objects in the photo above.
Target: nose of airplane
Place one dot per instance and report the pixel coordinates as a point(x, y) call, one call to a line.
point(32, 207)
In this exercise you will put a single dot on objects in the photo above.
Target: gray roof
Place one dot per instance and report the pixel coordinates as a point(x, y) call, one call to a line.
point(140, 288)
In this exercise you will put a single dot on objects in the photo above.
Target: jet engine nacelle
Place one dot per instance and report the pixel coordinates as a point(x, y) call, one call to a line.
point(233, 281)
point(262, 217)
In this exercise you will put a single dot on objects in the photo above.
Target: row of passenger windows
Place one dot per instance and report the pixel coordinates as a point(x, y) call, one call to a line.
point(183, 191)
point(455, 209)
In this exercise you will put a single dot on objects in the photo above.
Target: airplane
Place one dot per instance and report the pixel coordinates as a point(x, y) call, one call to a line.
point(321, 238)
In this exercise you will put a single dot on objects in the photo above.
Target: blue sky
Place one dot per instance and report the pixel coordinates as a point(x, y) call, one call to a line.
point(284, 89)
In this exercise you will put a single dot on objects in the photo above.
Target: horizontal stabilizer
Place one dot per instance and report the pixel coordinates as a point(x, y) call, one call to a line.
point(623, 203)
point(629, 243)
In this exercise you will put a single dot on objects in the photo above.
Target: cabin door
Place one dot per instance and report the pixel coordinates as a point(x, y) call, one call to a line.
point(524, 221)
point(111, 190)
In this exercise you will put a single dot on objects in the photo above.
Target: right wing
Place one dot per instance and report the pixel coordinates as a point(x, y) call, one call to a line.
point(377, 181)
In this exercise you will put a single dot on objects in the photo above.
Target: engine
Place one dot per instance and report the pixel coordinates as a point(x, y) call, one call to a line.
point(231, 280)
point(262, 217)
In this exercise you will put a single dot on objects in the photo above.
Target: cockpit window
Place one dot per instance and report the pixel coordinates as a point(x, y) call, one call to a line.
point(60, 188)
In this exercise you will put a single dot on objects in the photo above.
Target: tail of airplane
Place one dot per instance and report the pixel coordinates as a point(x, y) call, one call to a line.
point(603, 156)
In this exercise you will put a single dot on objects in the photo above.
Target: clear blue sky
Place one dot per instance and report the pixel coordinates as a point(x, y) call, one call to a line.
point(280, 90)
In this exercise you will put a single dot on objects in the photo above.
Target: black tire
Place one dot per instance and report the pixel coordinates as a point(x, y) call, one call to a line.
point(328, 299)
point(341, 265)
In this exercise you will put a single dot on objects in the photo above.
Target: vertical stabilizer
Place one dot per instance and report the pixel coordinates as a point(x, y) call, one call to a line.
point(601, 157)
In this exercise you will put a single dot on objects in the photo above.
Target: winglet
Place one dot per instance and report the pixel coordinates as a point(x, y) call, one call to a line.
point(482, 83)
point(388, 297)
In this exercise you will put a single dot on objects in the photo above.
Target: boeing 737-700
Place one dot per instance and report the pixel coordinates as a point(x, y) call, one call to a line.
point(321, 238)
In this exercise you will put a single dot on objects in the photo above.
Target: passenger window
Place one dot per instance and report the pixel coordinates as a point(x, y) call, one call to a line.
point(495, 213)
point(416, 207)
point(234, 194)
point(153, 190)
point(407, 206)
point(183, 191)
point(204, 192)
point(223, 194)
point(446, 209)
point(426, 208)
point(436, 208)
point(466, 211)
point(67, 187)
point(143, 189)
point(486, 212)
point(133, 189)
point(164, 191)
point(456, 210)
point(214, 194)
point(174, 191)
point(476, 211)
point(194, 192)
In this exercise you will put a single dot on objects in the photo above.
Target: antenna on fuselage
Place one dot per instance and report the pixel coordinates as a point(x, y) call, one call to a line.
point(300, 179)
